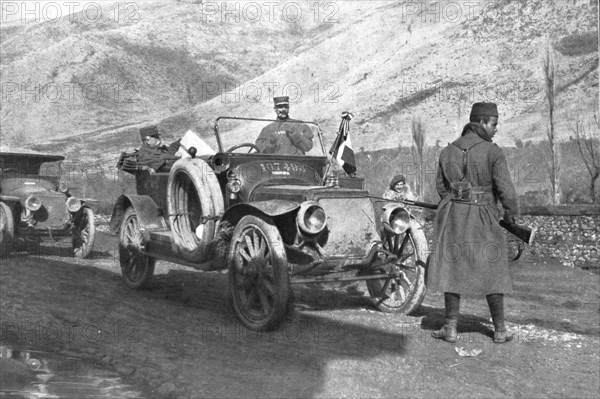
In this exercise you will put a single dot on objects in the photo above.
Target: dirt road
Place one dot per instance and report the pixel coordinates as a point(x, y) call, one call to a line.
point(180, 338)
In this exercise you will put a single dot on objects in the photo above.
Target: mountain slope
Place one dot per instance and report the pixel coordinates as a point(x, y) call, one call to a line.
point(387, 62)
point(80, 74)
point(389, 70)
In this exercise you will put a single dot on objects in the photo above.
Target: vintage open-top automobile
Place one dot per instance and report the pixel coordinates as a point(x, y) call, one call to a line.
point(271, 220)
point(35, 205)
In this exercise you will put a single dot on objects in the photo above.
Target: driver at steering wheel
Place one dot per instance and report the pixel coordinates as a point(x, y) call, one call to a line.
point(284, 136)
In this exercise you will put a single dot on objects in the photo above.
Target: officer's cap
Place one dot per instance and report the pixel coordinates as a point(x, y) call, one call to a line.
point(151, 131)
point(284, 100)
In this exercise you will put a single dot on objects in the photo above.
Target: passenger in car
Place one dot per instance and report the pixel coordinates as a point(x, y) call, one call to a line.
point(399, 190)
point(284, 136)
point(154, 155)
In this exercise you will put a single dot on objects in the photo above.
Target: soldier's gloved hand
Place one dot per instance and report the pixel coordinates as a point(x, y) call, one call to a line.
point(509, 218)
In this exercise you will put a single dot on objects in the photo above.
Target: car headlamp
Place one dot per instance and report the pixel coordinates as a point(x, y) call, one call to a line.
point(33, 203)
point(234, 185)
point(62, 187)
point(311, 218)
point(73, 204)
point(397, 218)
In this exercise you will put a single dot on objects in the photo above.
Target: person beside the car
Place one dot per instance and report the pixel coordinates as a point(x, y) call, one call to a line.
point(285, 136)
point(469, 246)
point(399, 190)
point(154, 155)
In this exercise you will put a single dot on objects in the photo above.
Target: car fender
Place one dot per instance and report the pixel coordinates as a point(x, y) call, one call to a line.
point(271, 208)
point(9, 198)
point(148, 213)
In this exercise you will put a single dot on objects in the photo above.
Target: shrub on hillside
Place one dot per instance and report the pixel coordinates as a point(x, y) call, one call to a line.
point(578, 44)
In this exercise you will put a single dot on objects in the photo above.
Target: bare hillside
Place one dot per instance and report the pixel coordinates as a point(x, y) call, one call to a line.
point(396, 64)
point(387, 62)
point(100, 70)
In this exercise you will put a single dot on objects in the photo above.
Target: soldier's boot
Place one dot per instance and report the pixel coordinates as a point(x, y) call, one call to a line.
point(502, 336)
point(496, 304)
point(449, 332)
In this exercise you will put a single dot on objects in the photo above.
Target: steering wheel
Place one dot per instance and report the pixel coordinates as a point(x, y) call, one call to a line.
point(252, 147)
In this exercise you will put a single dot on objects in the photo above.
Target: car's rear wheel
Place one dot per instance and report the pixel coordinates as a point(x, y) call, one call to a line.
point(405, 292)
point(84, 233)
point(136, 267)
point(258, 274)
point(7, 229)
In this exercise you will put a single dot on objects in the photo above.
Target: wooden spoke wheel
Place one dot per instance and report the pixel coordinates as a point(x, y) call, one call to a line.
point(404, 292)
point(84, 233)
point(258, 274)
point(136, 268)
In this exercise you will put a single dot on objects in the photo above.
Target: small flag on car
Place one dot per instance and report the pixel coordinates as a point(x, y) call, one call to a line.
point(342, 149)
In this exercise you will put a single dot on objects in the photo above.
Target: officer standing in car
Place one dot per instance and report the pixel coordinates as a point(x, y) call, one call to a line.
point(285, 136)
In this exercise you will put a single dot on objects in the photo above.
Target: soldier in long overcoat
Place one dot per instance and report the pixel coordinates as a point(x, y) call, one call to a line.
point(469, 246)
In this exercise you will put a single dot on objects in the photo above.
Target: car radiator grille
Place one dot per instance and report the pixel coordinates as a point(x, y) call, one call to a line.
point(351, 226)
point(53, 212)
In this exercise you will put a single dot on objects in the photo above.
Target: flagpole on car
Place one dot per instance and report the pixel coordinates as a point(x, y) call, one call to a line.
point(339, 140)
point(331, 150)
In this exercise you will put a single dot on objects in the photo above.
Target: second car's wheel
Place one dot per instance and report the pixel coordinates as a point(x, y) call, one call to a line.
point(404, 292)
point(136, 267)
point(7, 229)
point(258, 274)
point(84, 233)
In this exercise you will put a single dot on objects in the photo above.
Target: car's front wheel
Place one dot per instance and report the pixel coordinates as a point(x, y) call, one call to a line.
point(404, 292)
point(258, 274)
point(84, 233)
point(136, 267)
point(7, 229)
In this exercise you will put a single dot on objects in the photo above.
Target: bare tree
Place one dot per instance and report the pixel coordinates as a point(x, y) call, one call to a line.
point(419, 151)
point(587, 137)
point(554, 164)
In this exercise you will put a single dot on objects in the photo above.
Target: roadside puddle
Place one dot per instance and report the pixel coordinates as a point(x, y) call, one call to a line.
point(36, 374)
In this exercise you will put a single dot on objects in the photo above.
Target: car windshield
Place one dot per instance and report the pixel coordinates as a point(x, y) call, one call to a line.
point(246, 135)
point(30, 164)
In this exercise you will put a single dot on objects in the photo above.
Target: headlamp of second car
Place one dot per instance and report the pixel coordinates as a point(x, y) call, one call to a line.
point(63, 187)
point(33, 203)
point(311, 218)
point(73, 204)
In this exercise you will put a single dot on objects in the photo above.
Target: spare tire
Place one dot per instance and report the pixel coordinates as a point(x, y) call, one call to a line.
point(194, 203)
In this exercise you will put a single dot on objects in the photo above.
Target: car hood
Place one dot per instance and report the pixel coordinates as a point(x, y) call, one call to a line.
point(22, 186)
point(289, 192)
point(302, 192)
